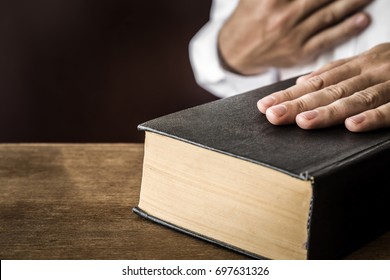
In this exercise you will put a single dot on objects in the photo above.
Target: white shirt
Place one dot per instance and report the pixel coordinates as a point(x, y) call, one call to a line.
point(213, 77)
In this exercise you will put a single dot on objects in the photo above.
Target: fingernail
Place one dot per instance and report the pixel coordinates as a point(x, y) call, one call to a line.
point(309, 115)
point(361, 20)
point(279, 110)
point(267, 101)
point(358, 118)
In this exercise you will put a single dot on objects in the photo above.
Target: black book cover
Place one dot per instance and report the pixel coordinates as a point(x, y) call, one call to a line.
point(348, 170)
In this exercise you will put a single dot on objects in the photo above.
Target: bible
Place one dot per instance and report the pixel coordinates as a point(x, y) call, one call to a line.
point(221, 172)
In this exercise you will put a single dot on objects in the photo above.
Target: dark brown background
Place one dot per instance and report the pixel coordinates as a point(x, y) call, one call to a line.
point(91, 70)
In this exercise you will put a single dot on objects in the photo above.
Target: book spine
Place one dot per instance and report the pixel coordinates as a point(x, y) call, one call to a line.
point(350, 206)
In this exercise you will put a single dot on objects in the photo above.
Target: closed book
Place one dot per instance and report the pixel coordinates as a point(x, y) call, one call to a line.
point(221, 172)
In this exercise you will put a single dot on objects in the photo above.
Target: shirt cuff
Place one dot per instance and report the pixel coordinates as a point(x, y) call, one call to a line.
point(210, 74)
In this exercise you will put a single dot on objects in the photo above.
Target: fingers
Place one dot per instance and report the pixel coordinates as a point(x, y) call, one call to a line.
point(370, 120)
point(287, 112)
point(370, 101)
point(336, 34)
point(334, 76)
point(331, 14)
point(307, 7)
point(355, 91)
point(323, 69)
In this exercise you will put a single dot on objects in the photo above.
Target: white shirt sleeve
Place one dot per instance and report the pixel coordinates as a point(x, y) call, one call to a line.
point(213, 77)
point(205, 62)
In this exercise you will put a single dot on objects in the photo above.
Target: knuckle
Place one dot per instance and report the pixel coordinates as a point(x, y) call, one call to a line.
point(368, 98)
point(332, 111)
point(301, 104)
point(372, 58)
point(279, 21)
point(286, 18)
point(333, 64)
point(369, 58)
point(336, 109)
point(377, 62)
point(316, 82)
point(384, 67)
point(379, 116)
point(328, 17)
point(336, 91)
point(288, 95)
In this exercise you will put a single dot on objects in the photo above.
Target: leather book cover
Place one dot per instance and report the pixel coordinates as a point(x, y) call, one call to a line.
point(348, 170)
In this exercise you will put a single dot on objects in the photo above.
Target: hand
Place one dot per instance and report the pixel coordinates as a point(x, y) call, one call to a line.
point(355, 91)
point(283, 33)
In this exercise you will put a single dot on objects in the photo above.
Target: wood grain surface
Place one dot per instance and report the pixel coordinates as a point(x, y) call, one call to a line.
point(74, 201)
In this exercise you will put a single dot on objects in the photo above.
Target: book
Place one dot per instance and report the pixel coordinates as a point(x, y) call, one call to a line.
point(221, 172)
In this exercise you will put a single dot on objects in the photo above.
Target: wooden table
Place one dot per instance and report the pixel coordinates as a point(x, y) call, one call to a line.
point(74, 201)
